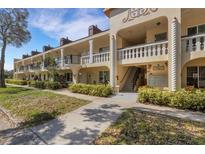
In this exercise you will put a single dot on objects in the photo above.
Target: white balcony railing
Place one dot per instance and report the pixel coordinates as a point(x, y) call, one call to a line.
point(193, 43)
point(101, 57)
point(97, 58)
point(144, 51)
point(85, 59)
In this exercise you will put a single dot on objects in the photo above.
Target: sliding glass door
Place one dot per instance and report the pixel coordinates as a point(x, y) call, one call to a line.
point(196, 76)
point(202, 77)
point(192, 76)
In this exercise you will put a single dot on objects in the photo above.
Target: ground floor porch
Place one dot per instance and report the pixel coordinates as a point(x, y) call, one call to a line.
point(91, 75)
point(128, 77)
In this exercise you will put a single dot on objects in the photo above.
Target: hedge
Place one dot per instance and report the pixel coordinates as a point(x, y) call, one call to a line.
point(18, 82)
point(183, 99)
point(53, 85)
point(45, 84)
point(89, 89)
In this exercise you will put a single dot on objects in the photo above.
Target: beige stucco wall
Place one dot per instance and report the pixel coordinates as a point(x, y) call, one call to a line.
point(150, 34)
point(159, 75)
point(191, 19)
point(90, 75)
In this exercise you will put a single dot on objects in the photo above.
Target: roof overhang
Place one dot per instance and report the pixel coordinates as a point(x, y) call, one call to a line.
point(107, 11)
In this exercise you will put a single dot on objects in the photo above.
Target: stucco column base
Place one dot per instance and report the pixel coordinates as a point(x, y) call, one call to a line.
point(75, 70)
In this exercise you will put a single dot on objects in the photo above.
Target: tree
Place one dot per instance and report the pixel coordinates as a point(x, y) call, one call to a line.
point(8, 74)
point(51, 65)
point(13, 31)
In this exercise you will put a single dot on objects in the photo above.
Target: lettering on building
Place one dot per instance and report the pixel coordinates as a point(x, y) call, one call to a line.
point(158, 67)
point(138, 12)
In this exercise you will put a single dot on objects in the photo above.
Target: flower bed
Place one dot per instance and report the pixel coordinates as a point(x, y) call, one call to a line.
point(193, 99)
point(45, 84)
point(94, 90)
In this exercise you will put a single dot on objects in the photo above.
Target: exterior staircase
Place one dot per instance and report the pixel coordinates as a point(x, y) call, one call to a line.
point(131, 80)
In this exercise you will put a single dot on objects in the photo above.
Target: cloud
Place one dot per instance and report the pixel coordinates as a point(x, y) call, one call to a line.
point(8, 66)
point(71, 23)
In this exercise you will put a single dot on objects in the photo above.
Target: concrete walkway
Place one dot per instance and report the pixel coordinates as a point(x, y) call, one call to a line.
point(83, 125)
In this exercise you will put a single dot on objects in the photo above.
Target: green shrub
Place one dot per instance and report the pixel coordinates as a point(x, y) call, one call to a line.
point(154, 96)
point(94, 90)
point(40, 84)
point(18, 82)
point(192, 100)
point(53, 85)
point(182, 99)
point(45, 84)
point(37, 84)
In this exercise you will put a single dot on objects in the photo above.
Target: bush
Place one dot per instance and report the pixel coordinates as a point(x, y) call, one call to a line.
point(182, 99)
point(53, 85)
point(94, 90)
point(18, 82)
point(40, 84)
point(154, 96)
point(45, 84)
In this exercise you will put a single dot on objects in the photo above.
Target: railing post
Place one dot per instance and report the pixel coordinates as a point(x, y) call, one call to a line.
point(43, 63)
point(197, 43)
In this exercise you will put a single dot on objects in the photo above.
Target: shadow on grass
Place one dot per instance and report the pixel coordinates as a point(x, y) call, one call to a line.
point(13, 90)
point(39, 118)
point(141, 127)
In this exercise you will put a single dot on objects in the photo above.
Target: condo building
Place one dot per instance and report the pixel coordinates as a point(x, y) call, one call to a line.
point(159, 47)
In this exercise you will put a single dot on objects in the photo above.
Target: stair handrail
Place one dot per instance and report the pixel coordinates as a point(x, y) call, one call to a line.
point(136, 77)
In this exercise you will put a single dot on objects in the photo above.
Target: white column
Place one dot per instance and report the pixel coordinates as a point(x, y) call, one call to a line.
point(44, 56)
point(90, 51)
point(23, 66)
point(31, 63)
point(113, 60)
point(173, 55)
point(75, 72)
point(62, 58)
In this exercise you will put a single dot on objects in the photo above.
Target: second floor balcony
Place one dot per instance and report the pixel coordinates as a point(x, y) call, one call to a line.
point(152, 52)
point(97, 59)
point(193, 47)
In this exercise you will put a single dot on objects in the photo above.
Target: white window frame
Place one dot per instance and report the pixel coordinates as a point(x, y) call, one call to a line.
point(197, 29)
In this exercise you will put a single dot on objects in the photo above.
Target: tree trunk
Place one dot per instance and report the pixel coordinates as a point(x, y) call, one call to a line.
point(2, 80)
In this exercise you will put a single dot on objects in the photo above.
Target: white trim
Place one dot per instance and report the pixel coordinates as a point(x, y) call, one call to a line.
point(194, 36)
point(191, 26)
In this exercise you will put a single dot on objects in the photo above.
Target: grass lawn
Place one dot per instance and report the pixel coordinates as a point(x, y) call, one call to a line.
point(35, 106)
point(135, 127)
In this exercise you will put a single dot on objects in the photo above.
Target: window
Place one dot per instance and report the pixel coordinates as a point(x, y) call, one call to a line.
point(103, 76)
point(199, 29)
point(104, 49)
point(192, 76)
point(192, 31)
point(202, 77)
point(160, 37)
point(69, 77)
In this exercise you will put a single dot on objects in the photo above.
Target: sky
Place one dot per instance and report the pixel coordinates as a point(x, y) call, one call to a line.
point(47, 26)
